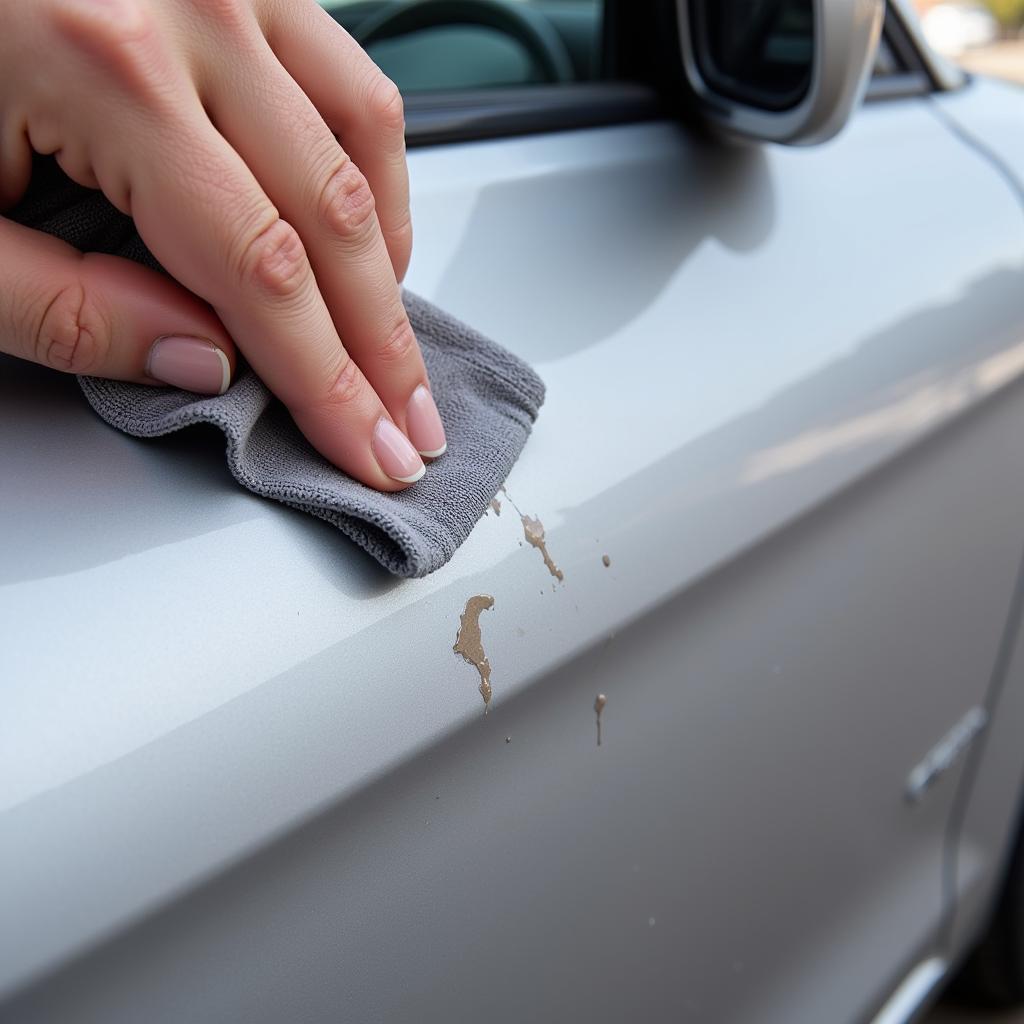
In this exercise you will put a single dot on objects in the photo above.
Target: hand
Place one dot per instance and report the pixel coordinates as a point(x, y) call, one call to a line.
point(213, 123)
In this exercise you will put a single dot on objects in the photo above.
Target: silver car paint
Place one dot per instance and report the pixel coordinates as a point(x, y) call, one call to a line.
point(992, 802)
point(784, 398)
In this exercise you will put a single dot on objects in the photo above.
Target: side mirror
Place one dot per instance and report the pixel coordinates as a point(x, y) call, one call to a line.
point(779, 70)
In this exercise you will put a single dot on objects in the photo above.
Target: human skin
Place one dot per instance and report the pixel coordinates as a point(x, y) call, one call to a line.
point(261, 155)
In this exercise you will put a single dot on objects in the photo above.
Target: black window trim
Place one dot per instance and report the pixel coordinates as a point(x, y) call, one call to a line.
point(465, 115)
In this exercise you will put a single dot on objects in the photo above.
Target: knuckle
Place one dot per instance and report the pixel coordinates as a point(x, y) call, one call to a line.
point(346, 203)
point(386, 108)
point(398, 234)
point(229, 14)
point(275, 261)
point(348, 386)
point(101, 19)
point(70, 334)
point(235, 23)
point(401, 344)
point(120, 34)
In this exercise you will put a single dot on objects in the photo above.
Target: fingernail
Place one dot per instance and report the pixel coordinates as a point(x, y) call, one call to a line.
point(394, 454)
point(194, 364)
point(426, 431)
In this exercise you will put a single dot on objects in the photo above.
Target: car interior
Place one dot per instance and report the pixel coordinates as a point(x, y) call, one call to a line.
point(470, 44)
point(429, 46)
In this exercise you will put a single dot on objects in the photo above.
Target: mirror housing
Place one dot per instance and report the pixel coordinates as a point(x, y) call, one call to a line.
point(800, 104)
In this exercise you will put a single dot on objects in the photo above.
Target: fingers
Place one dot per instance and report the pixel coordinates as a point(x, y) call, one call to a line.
point(310, 294)
point(359, 104)
point(15, 162)
point(205, 217)
point(325, 197)
point(106, 317)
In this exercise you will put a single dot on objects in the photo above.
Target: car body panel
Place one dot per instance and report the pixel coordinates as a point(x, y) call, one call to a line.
point(807, 489)
point(991, 815)
point(991, 116)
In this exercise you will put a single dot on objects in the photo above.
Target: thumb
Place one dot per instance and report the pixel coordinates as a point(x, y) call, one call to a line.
point(105, 316)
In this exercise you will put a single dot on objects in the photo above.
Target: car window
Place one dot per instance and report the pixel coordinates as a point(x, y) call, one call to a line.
point(437, 45)
point(478, 69)
point(886, 63)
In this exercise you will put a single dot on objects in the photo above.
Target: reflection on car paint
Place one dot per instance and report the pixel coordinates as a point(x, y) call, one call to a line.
point(945, 753)
point(469, 643)
point(922, 405)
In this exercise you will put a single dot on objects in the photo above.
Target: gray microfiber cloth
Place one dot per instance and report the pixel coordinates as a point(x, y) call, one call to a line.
point(487, 397)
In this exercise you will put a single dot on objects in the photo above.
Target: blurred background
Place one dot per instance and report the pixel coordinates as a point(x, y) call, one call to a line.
point(986, 36)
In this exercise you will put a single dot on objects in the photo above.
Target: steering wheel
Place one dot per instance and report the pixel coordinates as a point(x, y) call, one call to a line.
point(527, 27)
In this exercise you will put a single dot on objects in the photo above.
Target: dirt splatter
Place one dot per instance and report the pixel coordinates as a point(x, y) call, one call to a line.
point(605, 561)
point(599, 702)
point(470, 645)
point(496, 506)
point(533, 530)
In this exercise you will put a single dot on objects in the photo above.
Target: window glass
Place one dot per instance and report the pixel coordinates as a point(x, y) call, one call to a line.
point(886, 63)
point(475, 44)
point(756, 51)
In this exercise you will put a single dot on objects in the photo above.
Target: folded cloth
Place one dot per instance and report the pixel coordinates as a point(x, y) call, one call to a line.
point(487, 397)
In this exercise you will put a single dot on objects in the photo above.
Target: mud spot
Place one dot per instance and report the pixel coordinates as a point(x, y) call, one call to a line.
point(599, 702)
point(533, 530)
point(496, 506)
point(469, 643)
point(605, 561)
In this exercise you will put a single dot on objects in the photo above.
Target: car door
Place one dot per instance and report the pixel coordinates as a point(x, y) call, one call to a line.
point(990, 801)
point(778, 471)
point(831, 495)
